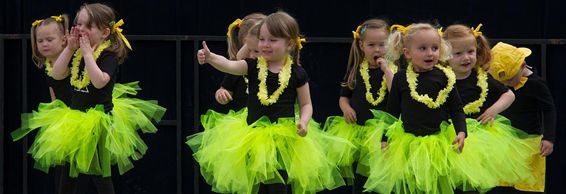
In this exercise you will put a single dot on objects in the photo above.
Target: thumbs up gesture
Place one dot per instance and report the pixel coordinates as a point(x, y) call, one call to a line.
point(203, 55)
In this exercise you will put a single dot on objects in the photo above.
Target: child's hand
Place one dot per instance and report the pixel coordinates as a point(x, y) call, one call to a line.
point(73, 39)
point(203, 54)
point(349, 115)
point(302, 129)
point(460, 140)
point(546, 147)
point(382, 64)
point(384, 145)
point(84, 41)
point(488, 116)
point(223, 96)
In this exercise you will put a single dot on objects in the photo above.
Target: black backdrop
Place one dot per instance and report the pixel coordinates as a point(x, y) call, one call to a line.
point(153, 63)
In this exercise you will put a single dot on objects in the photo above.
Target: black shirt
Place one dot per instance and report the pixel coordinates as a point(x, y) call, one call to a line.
point(357, 96)
point(61, 88)
point(533, 108)
point(417, 118)
point(284, 107)
point(469, 92)
point(90, 96)
point(237, 85)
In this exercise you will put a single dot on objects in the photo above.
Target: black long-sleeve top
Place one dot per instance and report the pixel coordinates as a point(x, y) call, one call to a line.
point(417, 118)
point(357, 96)
point(533, 110)
point(284, 107)
point(237, 85)
point(469, 92)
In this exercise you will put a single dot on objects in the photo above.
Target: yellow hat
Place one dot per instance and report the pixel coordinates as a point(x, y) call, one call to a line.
point(507, 59)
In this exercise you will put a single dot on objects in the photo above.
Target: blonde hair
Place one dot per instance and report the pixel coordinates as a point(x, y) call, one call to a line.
point(62, 26)
point(356, 54)
point(104, 17)
point(248, 27)
point(282, 25)
point(482, 44)
point(401, 39)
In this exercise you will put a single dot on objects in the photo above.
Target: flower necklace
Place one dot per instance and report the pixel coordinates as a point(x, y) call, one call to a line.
point(84, 80)
point(425, 99)
point(48, 67)
point(474, 107)
point(284, 76)
point(364, 72)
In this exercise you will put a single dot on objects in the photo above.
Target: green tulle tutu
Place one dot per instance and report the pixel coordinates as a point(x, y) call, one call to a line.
point(504, 150)
point(91, 141)
point(366, 139)
point(432, 164)
point(235, 157)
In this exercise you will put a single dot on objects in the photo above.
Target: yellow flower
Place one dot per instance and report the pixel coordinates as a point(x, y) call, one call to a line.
point(474, 107)
point(80, 83)
point(284, 76)
point(48, 67)
point(364, 72)
point(425, 99)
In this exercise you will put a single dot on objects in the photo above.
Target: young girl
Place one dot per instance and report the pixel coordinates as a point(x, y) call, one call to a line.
point(533, 99)
point(235, 88)
point(483, 99)
point(266, 145)
point(365, 87)
point(48, 39)
point(95, 131)
point(422, 152)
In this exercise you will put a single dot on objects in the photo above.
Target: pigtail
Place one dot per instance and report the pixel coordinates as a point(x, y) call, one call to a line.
point(483, 52)
point(394, 47)
point(234, 44)
point(36, 57)
point(354, 60)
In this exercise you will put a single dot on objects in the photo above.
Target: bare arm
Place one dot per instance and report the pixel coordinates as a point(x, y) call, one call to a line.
point(60, 68)
point(305, 104)
point(52, 94)
point(220, 62)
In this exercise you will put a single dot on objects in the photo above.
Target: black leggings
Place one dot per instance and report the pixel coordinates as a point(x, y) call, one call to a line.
point(80, 185)
point(274, 188)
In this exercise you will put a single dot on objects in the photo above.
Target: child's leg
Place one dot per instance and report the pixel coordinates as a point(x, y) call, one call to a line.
point(65, 184)
point(359, 182)
point(103, 184)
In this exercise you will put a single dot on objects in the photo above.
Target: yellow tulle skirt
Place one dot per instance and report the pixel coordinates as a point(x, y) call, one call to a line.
point(432, 164)
point(235, 157)
point(538, 169)
point(91, 141)
point(366, 139)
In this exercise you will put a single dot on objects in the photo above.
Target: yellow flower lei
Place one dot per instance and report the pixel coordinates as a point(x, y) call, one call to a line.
point(364, 72)
point(284, 76)
point(77, 82)
point(474, 107)
point(48, 67)
point(425, 99)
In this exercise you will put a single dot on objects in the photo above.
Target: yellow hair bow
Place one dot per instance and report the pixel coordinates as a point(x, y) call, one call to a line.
point(300, 42)
point(36, 22)
point(116, 28)
point(440, 32)
point(58, 18)
point(477, 31)
point(357, 32)
point(234, 24)
point(400, 28)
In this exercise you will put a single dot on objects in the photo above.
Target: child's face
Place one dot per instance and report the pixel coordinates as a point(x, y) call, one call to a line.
point(252, 44)
point(272, 48)
point(515, 79)
point(49, 40)
point(95, 34)
point(373, 44)
point(463, 55)
point(423, 50)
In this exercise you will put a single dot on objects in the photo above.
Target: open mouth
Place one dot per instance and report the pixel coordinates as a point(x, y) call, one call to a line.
point(428, 60)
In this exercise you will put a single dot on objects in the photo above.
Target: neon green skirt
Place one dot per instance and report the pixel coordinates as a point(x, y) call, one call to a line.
point(365, 138)
point(91, 141)
point(235, 157)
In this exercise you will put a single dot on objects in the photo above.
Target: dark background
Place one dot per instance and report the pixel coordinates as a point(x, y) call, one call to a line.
point(167, 169)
